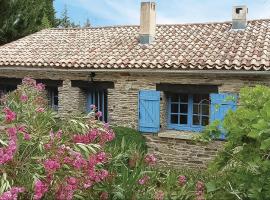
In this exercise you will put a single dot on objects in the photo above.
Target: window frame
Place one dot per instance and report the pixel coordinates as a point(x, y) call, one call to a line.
point(52, 93)
point(189, 126)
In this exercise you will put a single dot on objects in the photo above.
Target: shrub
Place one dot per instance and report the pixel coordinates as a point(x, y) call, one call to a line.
point(76, 158)
point(244, 163)
point(130, 136)
point(41, 162)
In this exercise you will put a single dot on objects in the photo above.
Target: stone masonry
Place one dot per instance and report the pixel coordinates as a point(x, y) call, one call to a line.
point(179, 153)
point(123, 105)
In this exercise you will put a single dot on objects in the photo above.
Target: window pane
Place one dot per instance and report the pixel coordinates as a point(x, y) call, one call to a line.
point(174, 119)
point(196, 120)
point(184, 108)
point(205, 109)
point(205, 121)
point(175, 98)
point(183, 119)
point(184, 98)
point(196, 109)
point(174, 108)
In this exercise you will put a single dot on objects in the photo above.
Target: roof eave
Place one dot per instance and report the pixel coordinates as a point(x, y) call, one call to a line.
point(167, 71)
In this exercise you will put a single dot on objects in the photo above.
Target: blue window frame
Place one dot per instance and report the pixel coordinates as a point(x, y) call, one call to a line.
point(99, 98)
point(188, 112)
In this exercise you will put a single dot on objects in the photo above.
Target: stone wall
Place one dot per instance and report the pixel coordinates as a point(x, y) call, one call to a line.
point(123, 105)
point(71, 99)
point(179, 153)
point(123, 99)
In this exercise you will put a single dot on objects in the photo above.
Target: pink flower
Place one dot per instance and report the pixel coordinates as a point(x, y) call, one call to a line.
point(103, 174)
point(51, 165)
point(159, 195)
point(10, 116)
point(26, 136)
point(12, 194)
point(182, 180)
point(59, 134)
point(79, 162)
point(101, 157)
point(200, 190)
point(93, 107)
point(12, 132)
point(99, 114)
point(150, 159)
point(86, 139)
point(72, 181)
point(104, 196)
point(106, 125)
point(144, 180)
point(24, 98)
point(88, 184)
point(40, 87)
point(40, 110)
point(40, 189)
point(29, 81)
point(7, 153)
point(22, 129)
point(66, 191)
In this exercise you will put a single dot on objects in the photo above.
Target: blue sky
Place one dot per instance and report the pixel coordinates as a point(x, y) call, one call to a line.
point(125, 12)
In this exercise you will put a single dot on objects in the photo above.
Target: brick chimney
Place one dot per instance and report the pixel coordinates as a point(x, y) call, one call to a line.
point(148, 22)
point(239, 17)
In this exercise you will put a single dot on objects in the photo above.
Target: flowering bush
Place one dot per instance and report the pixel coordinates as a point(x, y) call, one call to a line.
point(39, 161)
point(41, 158)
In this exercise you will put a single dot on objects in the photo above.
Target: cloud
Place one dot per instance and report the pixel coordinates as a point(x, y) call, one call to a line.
point(114, 12)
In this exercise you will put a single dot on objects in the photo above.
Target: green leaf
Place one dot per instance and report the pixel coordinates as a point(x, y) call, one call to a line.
point(211, 187)
point(265, 144)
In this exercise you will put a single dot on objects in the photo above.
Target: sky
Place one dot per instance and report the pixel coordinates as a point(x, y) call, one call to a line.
point(127, 12)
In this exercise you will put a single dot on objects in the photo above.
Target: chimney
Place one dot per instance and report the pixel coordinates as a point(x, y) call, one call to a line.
point(239, 17)
point(148, 22)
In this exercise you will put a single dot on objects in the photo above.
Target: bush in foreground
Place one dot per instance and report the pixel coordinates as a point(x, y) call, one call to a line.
point(40, 160)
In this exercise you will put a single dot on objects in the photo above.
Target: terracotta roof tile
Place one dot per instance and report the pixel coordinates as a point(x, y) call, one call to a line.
point(182, 47)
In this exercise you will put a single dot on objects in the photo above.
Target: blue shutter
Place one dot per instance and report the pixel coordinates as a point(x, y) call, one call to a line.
point(149, 111)
point(220, 105)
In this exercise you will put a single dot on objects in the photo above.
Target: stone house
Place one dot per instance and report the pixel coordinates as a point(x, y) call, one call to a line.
point(164, 80)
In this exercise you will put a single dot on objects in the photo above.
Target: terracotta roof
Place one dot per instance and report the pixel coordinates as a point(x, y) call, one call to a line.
point(187, 46)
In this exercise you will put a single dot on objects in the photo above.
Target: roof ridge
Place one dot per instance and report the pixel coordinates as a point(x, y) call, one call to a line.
point(158, 25)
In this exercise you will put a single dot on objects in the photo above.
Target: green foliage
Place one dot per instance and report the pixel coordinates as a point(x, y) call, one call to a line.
point(131, 136)
point(64, 21)
point(244, 163)
point(22, 17)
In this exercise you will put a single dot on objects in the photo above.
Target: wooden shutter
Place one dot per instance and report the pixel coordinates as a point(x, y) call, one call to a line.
point(149, 111)
point(220, 105)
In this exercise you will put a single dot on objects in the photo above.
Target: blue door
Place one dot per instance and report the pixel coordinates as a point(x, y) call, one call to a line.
point(220, 105)
point(149, 111)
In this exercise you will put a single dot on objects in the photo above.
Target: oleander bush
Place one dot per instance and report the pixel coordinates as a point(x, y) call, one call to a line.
point(41, 158)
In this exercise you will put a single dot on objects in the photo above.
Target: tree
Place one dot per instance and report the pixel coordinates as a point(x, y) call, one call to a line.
point(87, 23)
point(22, 17)
point(65, 22)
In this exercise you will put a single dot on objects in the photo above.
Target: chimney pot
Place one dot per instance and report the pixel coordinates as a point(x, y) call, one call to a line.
point(239, 17)
point(148, 22)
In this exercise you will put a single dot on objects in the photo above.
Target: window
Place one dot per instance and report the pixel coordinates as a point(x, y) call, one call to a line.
point(53, 97)
point(99, 98)
point(6, 89)
point(188, 112)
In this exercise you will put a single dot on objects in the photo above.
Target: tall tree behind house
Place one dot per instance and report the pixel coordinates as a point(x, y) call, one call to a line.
point(22, 17)
point(65, 22)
